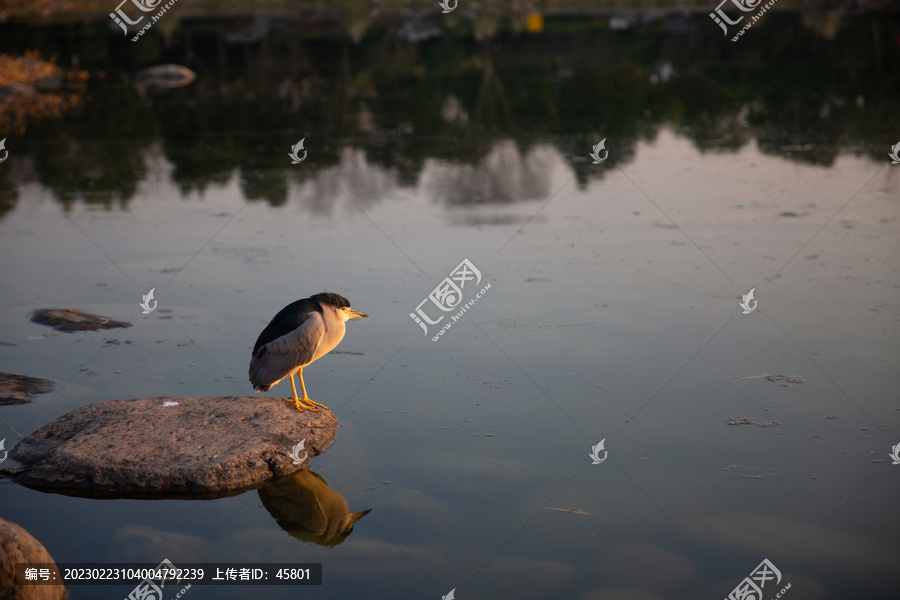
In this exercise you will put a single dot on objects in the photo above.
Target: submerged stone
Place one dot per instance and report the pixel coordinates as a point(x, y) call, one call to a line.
point(171, 447)
point(69, 319)
point(21, 389)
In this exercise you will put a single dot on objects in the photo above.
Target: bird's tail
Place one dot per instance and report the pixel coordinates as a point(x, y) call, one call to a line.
point(266, 370)
point(254, 377)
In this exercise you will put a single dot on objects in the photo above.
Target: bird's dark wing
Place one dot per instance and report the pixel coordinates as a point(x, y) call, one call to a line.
point(301, 343)
point(277, 359)
point(288, 319)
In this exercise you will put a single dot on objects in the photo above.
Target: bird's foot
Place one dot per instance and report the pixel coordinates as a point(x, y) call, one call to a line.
point(301, 404)
point(305, 404)
point(313, 404)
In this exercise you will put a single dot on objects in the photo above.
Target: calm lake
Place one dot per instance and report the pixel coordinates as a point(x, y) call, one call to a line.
point(614, 311)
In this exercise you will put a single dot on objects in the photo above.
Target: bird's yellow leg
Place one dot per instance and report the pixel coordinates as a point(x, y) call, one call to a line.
point(306, 399)
point(296, 400)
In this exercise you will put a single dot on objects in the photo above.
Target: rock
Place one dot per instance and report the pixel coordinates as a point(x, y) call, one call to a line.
point(68, 319)
point(18, 546)
point(749, 421)
point(20, 389)
point(171, 447)
point(165, 77)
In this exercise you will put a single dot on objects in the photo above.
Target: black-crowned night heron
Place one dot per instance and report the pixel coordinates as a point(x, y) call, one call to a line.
point(301, 333)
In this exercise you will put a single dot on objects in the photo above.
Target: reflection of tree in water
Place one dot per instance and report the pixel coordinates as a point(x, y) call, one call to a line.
point(504, 176)
point(356, 15)
point(353, 180)
point(380, 112)
point(9, 194)
point(492, 109)
point(97, 158)
point(263, 183)
point(707, 113)
point(90, 171)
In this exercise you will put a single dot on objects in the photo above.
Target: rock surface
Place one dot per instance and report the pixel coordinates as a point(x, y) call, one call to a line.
point(199, 447)
point(18, 546)
point(20, 389)
point(69, 319)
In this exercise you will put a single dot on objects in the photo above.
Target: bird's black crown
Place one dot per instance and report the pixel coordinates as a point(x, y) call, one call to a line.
point(330, 299)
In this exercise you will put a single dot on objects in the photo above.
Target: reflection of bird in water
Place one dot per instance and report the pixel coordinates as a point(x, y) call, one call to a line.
point(301, 333)
point(305, 507)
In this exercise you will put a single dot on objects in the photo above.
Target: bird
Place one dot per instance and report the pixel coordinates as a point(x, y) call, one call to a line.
point(301, 333)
